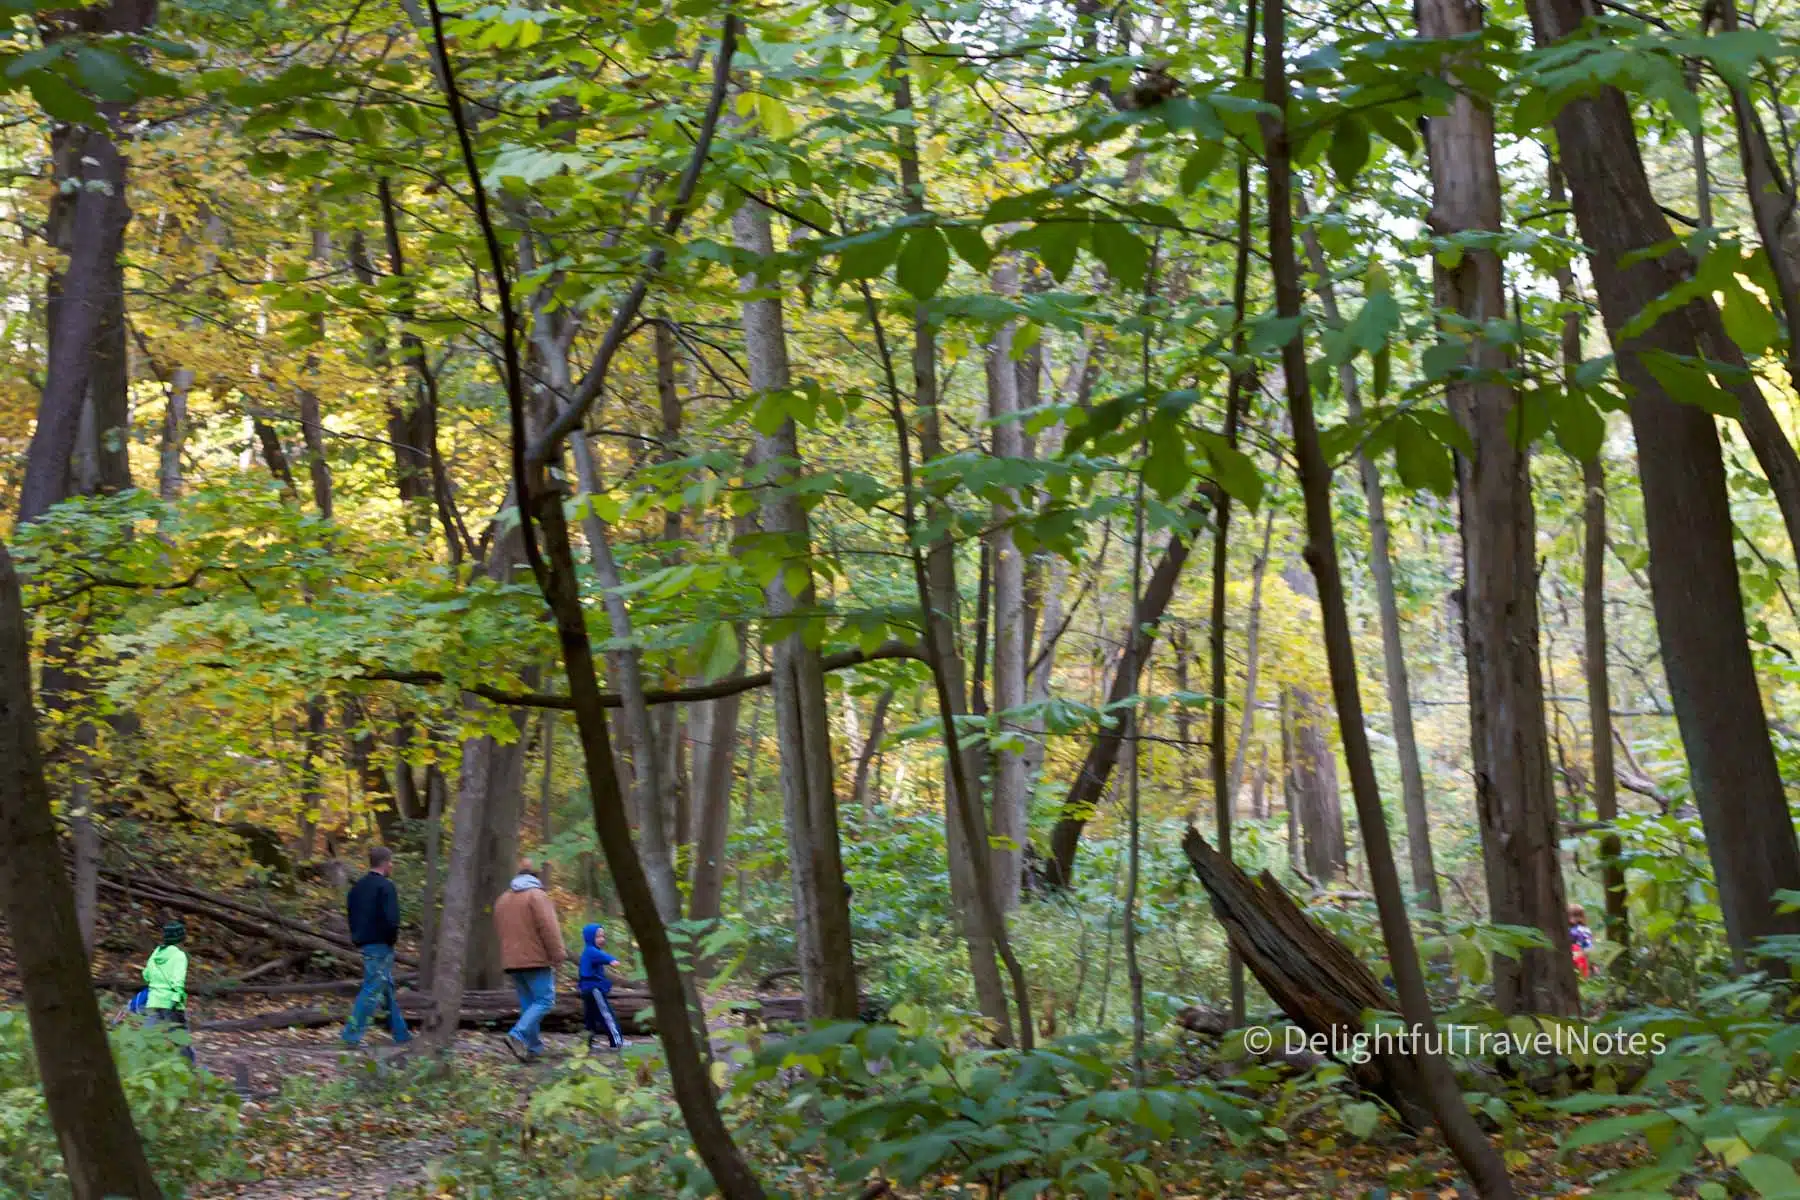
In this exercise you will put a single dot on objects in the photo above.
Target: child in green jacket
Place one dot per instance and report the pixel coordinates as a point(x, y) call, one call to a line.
point(165, 977)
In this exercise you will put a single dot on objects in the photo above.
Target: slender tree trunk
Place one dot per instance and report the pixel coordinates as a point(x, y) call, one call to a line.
point(88, 219)
point(626, 666)
point(964, 822)
point(1771, 205)
point(1318, 804)
point(475, 796)
point(1289, 790)
point(1515, 798)
point(435, 789)
point(100, 1147)
point(1011, 783)
point(667, 719)
point(1252, 658)
point(821, 902)
point(859, 790)
point(1693, 572)
point(1103, 754)
point(546, 784)
point(715, 756)
point(1393, 648)
point(181, 381)
point(1593, 612)
point(1472, 1149)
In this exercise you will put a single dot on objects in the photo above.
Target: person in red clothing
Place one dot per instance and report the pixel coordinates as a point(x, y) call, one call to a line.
point(1581, 940)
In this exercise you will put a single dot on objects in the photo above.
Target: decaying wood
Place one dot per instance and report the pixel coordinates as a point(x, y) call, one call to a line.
point(480, 1009)
point(1321, 986)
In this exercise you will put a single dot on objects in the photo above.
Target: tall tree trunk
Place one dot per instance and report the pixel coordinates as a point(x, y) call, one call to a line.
point(435, 791)
point(1252, 659)
point(667, 719)
point(964, 821)
point(88, 219)
point(1103, 754)
point(821, 902)
point(1318, 805)
point(463, 875)
point(1011, 783)
point(1393, 648)
point(546, 783)
point(100, 1147)
point(859, 788)
point(1515, 798)
point(1687, 517)
point(312, 425)
point(181, 381)
point(1771, 204)
point(1471, 1147)
point(419, 473)
point(714, 756)
point(554, 569)
point(1593, 611)
point(626, 666)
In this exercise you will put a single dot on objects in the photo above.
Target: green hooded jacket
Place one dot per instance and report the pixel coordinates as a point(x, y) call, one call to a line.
point(166, 975)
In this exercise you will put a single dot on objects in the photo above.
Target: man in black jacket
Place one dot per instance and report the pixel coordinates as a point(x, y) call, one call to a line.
point(373, 908)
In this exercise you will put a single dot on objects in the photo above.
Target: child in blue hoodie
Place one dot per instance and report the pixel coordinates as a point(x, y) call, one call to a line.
point(596, 986)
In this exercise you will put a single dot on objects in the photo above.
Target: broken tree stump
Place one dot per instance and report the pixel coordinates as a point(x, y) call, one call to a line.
point(1322, 987)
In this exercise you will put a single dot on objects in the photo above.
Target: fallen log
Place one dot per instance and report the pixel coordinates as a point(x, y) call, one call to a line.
point(255, 927)
point(287, 1018)
point(1322, 987)
point(566, 1017)
point(265, 922)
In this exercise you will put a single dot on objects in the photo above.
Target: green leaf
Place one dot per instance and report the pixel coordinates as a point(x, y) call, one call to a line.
point(924, 262)
point(61, 101)
point(1232, 470)
point(1384, 373)
point(721, 653)
point(1687, 381)
point(1350, 147)
point(773, 116)
point(1613, 1129)
point(1166, 469)
point(1422, 460)
point(1748, 320)
point(1272, 333)
point(1580, 429)
point(970, 246)
point(105, 74)
point(1201, 164)
point(1025, 1189)
point(1770, 1176)
point(867, 255)
point(1055, 244)
point(1124, 253)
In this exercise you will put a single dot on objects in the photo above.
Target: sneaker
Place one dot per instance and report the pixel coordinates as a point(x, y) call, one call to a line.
point(591, 1044)
point(519, 1049)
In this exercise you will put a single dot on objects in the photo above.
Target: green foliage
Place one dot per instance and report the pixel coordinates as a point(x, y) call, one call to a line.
point(1718, 1107)
point(188, 1119)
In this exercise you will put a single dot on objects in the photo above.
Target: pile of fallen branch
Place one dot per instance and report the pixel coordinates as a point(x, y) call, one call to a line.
point(1314, 978)
point(235, 915)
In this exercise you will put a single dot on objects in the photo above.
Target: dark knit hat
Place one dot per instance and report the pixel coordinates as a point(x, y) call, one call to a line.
point(174, 933)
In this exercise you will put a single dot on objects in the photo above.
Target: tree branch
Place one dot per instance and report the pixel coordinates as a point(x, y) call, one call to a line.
point(687, 695)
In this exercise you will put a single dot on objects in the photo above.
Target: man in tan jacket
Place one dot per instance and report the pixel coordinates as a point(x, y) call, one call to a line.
point(531, 948)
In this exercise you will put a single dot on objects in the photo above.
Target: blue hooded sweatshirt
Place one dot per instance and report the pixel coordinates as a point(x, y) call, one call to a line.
point(594, 962)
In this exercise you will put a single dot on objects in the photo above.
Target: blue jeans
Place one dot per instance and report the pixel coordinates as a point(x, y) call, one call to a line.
point(537, 996)
point(377, 986)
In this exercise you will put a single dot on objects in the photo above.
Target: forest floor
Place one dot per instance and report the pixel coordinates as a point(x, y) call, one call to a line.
point(358, 1138)
point(321, 1122)
point(343, 1144)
